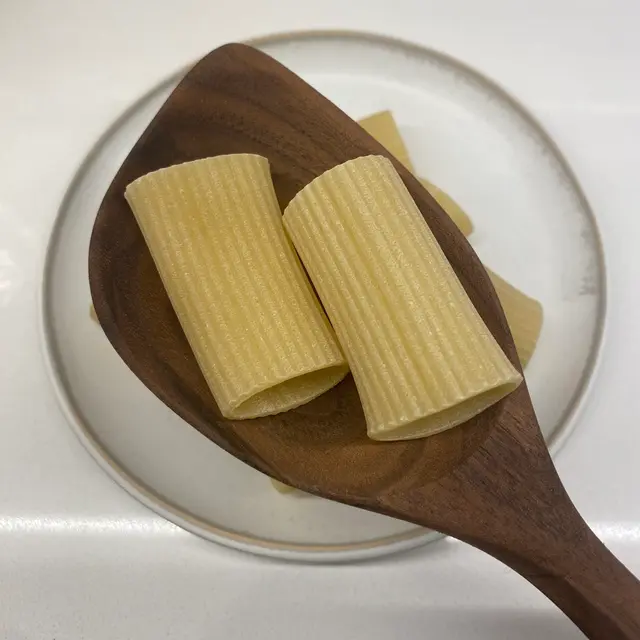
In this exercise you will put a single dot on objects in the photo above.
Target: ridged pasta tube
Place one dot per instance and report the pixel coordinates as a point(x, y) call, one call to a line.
point(422, 358)
point(258, 332)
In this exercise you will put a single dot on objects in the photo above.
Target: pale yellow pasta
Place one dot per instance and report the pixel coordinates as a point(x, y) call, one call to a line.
point(214, 229)
point(422, 358)
point(524, 315)
point(450, 207)
point(382, 126)
point(281, 487)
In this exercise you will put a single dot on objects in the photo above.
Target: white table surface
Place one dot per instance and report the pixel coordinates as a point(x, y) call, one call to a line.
point(79, 558)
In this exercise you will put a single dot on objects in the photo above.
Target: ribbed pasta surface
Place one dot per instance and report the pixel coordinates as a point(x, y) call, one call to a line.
point(420, 354)
point(214, 229)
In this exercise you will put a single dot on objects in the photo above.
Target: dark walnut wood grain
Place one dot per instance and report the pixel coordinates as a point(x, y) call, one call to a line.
point(490, 482)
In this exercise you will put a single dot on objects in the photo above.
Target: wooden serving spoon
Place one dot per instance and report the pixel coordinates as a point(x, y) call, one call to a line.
point(489, 482)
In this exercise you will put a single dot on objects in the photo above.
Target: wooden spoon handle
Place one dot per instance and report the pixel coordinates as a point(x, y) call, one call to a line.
point(588, 583)
point(521, 514)
point(540, 534)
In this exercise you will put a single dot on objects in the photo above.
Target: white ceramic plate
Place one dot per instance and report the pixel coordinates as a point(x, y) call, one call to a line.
point(466, 135)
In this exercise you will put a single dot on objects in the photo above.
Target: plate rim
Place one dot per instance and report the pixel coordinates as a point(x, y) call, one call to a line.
point(312, 553)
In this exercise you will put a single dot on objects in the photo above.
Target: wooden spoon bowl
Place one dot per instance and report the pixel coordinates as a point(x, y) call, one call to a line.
point(489, 482)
